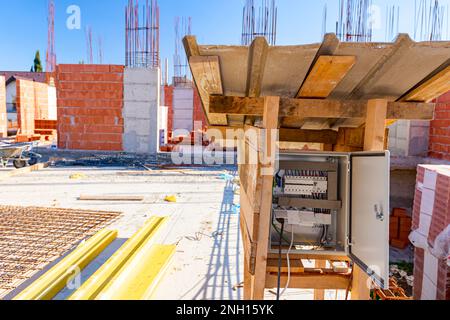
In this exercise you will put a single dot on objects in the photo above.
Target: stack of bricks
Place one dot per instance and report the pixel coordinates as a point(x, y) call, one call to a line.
point(168, 102)
point(90, 103)
point(399, 228)
point(199, 115)
point(41, 100)
point(47, 129)
point(3, 114)
point(25, 101)
point(440, 129)
point(431, 218)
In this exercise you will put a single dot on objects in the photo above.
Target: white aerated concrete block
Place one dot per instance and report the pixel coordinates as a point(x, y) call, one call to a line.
point(141, 107)
point(148, 76)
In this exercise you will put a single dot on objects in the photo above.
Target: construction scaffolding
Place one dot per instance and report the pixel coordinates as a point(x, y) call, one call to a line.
point(181, 73)
point(33, 237)
point(142, 35)
point(354, 21)
point(259, 21)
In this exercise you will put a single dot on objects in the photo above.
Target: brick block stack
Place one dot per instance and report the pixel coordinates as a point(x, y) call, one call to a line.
point(199, 114)
point(90, 103)
point(47, 129)
point(3, 115)
point(431, 218)
point(399, 228)
point(41, 100)
point(440, 129)
point(168, 102)
point(25, 100)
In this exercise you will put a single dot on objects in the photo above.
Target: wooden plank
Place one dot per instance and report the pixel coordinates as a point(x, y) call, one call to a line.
point(296, 266)
point(311, 256)
point(317, 108)
point(110, 198)
point(432, 88)
point(191, 46)
point(257, 62)
point(326, 74)
point(249, 246)
point(310, 281)
point(410, 111)
point(249, 215)
point(317, 136)
point(270, 122)
point(286, 134)
point(374, 138)
point(319, 294)
point(360, 280)
point(207, 77)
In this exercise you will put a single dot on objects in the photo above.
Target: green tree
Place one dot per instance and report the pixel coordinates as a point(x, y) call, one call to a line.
point(37, 63)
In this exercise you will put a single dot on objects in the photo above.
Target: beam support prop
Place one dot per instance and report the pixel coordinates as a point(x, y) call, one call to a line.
point(375, 134)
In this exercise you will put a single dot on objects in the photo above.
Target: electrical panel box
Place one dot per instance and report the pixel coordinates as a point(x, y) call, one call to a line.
point(334, 204)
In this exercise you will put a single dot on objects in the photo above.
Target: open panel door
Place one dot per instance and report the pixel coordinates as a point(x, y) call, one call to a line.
point(369, 214)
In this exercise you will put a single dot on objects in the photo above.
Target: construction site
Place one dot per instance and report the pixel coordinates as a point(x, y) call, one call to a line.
point(256, 170)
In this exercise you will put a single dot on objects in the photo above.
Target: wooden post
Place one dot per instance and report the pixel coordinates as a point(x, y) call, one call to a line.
point(360, 289)
point(270, 122)
point(319, 294)
point(374, 138)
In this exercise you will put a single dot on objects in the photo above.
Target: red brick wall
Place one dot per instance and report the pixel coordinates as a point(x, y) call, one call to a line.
point(25, 100)
point(3, 115)
point(440, 129)
point(41, 100)
point(90, 103)
point(199, 114)
point(168, 101)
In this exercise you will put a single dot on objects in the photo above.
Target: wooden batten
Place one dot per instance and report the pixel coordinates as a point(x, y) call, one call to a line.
point(325, 76)
point(432, 88)
point(318, 108)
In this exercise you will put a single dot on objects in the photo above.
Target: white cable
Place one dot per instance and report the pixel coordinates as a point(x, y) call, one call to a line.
point(289, 262)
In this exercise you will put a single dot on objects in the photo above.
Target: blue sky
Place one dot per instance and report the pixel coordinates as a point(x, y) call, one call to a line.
point(23, 26)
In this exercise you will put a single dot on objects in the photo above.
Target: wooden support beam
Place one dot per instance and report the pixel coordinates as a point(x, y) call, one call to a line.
point(207, 77)
point(325, 76)
point(319, 108)
point(432, 88)
point(296, 266)
point(256, 65)
point(317, 136)
point(270, 122)
point(286, 134)
point(310, 281)
point(319, 294)
point(191, 46)
point(375, 134)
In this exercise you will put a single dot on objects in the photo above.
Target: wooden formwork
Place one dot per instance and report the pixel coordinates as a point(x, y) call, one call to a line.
point(339, 96)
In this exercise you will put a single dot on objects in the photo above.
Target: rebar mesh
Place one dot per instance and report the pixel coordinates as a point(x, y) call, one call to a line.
point(31, 238)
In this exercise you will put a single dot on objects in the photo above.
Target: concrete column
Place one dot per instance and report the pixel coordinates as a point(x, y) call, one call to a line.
point(141, 110)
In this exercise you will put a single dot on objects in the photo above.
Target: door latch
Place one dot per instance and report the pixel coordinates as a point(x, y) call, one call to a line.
point(379, 213)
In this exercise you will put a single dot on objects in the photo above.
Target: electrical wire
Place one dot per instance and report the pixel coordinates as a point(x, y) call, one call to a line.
point(288, 263)
point(280, 260)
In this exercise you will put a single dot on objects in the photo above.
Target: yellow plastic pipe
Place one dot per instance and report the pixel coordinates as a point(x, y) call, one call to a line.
point(54, 280)
point(94, 285)
point(140, 275)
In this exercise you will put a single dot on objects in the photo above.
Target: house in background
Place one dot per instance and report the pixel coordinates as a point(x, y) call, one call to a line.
point(30, 91)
